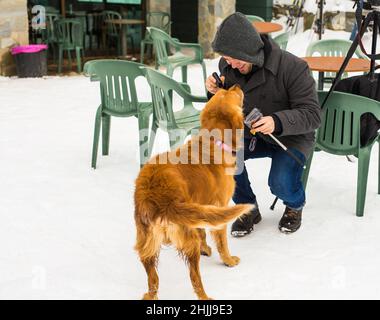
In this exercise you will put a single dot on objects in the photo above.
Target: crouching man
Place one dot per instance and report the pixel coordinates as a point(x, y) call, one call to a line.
point(281, 86)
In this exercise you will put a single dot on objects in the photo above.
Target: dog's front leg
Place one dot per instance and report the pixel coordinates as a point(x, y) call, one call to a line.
point(220, 238)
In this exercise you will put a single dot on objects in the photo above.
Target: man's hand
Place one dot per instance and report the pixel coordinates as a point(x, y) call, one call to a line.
point(265, 125)
point(211, 84)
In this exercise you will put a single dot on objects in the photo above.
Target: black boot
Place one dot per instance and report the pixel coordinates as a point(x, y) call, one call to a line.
point(290, 221)
point(244, 225)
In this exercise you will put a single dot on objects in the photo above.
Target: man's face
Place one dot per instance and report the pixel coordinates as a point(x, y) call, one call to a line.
point(243, 66)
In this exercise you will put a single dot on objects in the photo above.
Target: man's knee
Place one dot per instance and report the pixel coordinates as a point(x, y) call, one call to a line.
point(282, 186)
point(283, 192)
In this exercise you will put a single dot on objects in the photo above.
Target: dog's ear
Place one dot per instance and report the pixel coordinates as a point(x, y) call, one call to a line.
point(235, 97)
point(224, 110)
point(223, 116)
point(232, 109)
point(208, 115)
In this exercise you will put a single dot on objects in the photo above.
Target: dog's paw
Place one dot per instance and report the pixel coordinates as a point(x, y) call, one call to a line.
point(206, 251)
point(231, 261)
point(150, 296)
point(205, 298)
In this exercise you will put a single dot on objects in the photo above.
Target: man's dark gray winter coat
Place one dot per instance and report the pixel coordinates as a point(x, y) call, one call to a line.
point(283, 87)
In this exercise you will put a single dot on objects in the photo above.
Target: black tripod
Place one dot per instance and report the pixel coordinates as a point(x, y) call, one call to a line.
point(295, 13)
point(363, 23)
point(319, 25)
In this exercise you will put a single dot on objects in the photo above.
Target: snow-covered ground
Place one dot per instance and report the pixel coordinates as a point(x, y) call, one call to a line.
point(67, 231)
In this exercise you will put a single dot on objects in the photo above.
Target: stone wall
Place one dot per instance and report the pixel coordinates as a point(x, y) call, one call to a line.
point(210, 14)
point(13, 30)
point(334, 20)
point(158, 5)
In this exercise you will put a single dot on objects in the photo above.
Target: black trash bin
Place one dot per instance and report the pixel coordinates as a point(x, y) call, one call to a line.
point(31, 60)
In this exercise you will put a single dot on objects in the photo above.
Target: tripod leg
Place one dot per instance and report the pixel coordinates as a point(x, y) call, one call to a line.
point(299, 14)
point(321, 76)
point(374, 43)
point(350, 52)
point(352, 49)
point(353, 32)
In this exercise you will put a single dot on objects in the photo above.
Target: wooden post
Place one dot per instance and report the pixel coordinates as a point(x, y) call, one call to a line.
point(63, 8)
point(144, 10)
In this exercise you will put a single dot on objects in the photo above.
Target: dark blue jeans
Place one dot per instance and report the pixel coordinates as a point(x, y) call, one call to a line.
point(284, 177)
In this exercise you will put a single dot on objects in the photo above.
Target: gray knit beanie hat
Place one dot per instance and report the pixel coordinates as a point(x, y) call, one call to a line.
point(236, 37)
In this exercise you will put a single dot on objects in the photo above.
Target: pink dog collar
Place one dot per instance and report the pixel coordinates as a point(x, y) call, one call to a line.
point(224, 146)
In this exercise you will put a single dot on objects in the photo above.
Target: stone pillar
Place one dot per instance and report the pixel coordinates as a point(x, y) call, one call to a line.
point(13, 31)
point(158, 5)
point(210, 15)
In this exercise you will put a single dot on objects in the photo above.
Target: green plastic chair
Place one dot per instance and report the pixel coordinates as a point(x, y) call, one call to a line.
point(254, 18)
point(162, 41)
point(70, 37)
point(50, 32)
point(282, 40)
point(119, 99)
point(160, 20)
point(113, 31)
point(94, 28)
point(339, 134)
point(82, 17)
point(177, 124)
point(332, 48)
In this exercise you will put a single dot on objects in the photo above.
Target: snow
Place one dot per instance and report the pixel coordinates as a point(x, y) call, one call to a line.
point(67, 231)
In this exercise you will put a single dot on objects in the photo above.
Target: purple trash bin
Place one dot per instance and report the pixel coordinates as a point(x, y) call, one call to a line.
point(31, 60)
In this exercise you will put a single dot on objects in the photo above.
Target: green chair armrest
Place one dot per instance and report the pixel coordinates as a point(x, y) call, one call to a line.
point(89, 72)
point(193, 98)
point(172, 41)
point(199, 98)
point(184, 91)
point(195, 46)
point(185, 86)
point(190, 45)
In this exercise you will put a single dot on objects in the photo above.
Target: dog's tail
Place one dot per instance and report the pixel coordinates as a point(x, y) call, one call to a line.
point(195, 215)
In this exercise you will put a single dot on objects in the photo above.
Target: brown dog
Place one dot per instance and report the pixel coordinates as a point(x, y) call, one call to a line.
point(172, 201)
